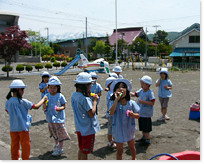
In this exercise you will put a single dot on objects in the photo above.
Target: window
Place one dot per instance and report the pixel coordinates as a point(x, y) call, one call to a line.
point(194, 39)
point(67, 52)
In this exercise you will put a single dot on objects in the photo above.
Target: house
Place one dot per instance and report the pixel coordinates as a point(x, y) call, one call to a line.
point(187, 47)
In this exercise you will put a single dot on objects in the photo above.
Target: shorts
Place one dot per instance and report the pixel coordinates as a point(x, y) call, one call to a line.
point(145, 124)
point(164, 102)
point(110, 120)
point(86, 143)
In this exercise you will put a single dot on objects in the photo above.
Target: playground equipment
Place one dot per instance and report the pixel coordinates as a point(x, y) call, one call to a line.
point(158, 57)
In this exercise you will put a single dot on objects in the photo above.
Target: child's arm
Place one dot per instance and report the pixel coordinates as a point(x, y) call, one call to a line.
point(158, 83)
point(37, 106)
point(147, 102)
point(134, 115)
point(60, 108)
point(43, 90)
point(113, 107)
point(99, 93)
point(92, 112)
point(133, 94)
point(168, 87)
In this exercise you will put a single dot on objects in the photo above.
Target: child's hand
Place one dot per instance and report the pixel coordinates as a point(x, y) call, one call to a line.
point(106, 89)
point(132, 94)
point(141, 101)
point(45, 98)
point(165, 86)
point(117, 95)
point(95, 97)
point(130, 114)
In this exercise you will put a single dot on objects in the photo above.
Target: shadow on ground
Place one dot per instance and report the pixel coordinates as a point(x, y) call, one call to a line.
point(103, 152)
point(48, 156)
point(41, 122)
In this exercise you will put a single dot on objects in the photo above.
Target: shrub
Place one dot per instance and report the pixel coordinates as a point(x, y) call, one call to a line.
point(68, 59)
point(56, 64)
point(19, 68)
point(38, 66)
point(120, 61)
point(4, 68)
point(63, 64)
point(46, 58)
point(29, 68)
point(75, 64)
point(111, 61)
point(48, 66)
point(53, 59)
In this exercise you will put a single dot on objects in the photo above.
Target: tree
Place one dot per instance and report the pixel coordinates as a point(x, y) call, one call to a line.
point(100, 47)
point(159, 37)
point(108, 49)
point(12, 41)
point(56, 48)
point(138, 45)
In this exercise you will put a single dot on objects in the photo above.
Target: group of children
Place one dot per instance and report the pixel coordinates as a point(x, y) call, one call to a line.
point(121, 111)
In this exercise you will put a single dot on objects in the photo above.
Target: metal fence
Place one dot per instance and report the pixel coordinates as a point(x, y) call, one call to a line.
point(184, 65)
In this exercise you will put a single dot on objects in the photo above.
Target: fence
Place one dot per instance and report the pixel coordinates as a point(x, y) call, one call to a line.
point(185, 65)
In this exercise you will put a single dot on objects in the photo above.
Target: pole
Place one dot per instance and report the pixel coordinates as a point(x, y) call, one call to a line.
point(116, 50)
point(40, 47)
point(86, 41)
point(47, 34)
point(146, 50)
point(156, 38)
point(35, 46)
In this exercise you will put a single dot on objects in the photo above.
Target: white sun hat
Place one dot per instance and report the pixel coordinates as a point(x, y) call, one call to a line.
point(17, 84)
point(109, 80)
point(113, 74)
point(127, 82)
point(117, 69)
point(45, 73)
point(84, 78)
point(54, 81)
point(93, 74)
point(164, 70)
point(146, 79)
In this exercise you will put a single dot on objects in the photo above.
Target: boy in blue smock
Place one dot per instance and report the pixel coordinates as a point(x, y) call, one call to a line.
point(86, 121)
point(43, 85)
point(146, 102)
point(164, 93)
point(118, 70)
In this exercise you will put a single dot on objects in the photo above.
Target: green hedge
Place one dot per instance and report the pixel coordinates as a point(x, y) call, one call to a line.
point(4, 68)
point(56, 64)
point(48, 66)
point(38, 66)
point(29, 68)
point(63, 64)
point(19, 68)
point(53, 59)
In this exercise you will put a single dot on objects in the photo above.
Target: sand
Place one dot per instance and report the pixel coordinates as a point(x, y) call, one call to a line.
point(176, 135)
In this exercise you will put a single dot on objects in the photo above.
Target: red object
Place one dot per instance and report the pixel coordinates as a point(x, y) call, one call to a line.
point(185, 155)
point(128, 111)
point(195, 109)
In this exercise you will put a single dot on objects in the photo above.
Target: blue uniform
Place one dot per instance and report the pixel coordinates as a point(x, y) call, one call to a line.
point(52, 115)
point(108, 102)
point(19, 118)
point(96, 88)
point(42, 86)
point(124, 127)
point(164, 93)
point(145, 110)
point(84, 124)
point(120, 77)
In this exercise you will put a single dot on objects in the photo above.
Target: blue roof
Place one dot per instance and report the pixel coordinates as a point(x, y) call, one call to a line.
point(179, 52)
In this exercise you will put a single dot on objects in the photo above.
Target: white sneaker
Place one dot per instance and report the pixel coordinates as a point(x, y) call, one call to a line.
point(162, 118)
point(167, 117)
point(112, 144)
point(58, 152)
point(56, 147)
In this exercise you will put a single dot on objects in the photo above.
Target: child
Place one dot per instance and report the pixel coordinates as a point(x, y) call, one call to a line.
point(109, 117)
point(55, 115)
point(43, 85)
point(20, 120)
point(146, 102)
point(111, 75)
point(124, 112)
point(165, 87)
point(84, 108)
point(96, 88)
point(118, 70)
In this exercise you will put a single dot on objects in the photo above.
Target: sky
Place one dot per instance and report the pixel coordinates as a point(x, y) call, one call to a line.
point(65, 16)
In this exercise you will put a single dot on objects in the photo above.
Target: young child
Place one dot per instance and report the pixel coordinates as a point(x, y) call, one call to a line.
point(108, 116)
point(118, 70)
point(43, 85)
point(20, 120)
point(165, 87)
point(96, 88)
point(124, 112)
point(146, 102)
point(55, 115)
point(84, 108)
point(111, 75)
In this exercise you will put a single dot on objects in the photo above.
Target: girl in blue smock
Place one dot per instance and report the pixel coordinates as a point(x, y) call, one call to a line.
point(55, 115)
point(124, 112)
point(43, 85)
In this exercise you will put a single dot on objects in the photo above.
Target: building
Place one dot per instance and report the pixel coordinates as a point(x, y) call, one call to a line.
point(187, 47)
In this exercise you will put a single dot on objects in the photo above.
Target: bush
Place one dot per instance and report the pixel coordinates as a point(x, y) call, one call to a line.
point(75, 64)
point(38, 66)
point(120, 61)
point(111, 61)
point(19, 68)
point(4, 68)
point(53, 59)
point(68, 59)
point(48, 66)
point(56, 64)
point(29, 68)
point(63, 64)
point(46, 58)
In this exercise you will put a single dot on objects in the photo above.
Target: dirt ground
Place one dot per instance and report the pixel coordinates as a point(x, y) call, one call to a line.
point(176, 135)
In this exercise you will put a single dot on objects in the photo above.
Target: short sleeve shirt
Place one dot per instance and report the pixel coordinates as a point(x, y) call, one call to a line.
point(164, 93)
point(42, 86)
point(108, 102)
point(96, 88)
point(52, 115)
point(145, 110)
point(120, 77)
point(19, 118)
point(83, 123)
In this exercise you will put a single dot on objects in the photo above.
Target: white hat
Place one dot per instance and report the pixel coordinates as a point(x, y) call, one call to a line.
point(164, 70)
point(17, 84)
point(146, 79)
point(117, 69)
point(93, 74)
point(113, 75)
point(83, 78)
point(45, 73)
point(54, 81)
point(109, 80)
point(127, 82)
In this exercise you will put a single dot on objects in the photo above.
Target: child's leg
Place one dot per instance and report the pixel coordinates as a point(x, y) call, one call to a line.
point(82, 156)
point(15, 145)
point(61, 144)
point(131, 145)
point(147, 135)
point(119, 151)
point(56, 142)
point(110, 137)
point(164, 111)
point(25, 144)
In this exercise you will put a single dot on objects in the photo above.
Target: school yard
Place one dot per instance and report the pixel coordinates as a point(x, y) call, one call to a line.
point(176, 135)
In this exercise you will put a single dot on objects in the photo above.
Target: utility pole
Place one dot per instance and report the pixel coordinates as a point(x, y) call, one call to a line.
point(156, 37)
point(146, 50)
point(47, 34)
point(40, 47)
point(86, 41)
point(116, 30)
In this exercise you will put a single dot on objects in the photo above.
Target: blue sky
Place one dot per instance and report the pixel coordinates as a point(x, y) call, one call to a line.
point(62, 16)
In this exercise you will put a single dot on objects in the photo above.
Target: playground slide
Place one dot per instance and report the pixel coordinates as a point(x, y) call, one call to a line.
point(68, 66)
